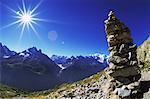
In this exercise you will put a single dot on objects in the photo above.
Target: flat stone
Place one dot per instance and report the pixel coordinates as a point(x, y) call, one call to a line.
point(111, 37)
point(127, 40)
point(125, 55)
point(133, 63)
point(114, 48)
point(123, 49)
point(125, 72)
point(116, 67)
point(112, 66)
point(114, 53)
point(113, 42)
point(122, 92)
point(123, 80)
point(117, 60)
point(133, 47)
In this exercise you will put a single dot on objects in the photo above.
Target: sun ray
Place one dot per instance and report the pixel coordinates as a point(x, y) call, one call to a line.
point(47, 20)
point(22, 31)
point(20, 10)
point(24, 7)
point(12, 10)
point(34, 22)
point(36, 33)
point(13, 23)
point(35, 14)
point(38, 19)
point(32, 11)
point(28, 26)
point(29, 10)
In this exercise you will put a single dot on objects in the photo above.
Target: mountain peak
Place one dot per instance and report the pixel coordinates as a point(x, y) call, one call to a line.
point(33, 50)
point(5, 52)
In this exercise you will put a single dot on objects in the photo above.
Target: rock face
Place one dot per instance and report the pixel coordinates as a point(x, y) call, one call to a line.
point(143, 55)
point(123, 62)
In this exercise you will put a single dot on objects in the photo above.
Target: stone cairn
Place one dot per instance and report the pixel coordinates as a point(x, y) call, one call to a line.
point(123, 68)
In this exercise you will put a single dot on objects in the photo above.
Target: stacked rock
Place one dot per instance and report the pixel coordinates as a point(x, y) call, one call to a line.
point(123, 58)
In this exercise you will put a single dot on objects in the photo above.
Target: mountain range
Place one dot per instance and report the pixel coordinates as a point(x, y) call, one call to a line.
point(33, 70)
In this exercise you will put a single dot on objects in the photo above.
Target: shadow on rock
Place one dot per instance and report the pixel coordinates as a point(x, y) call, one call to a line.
point(144, 87)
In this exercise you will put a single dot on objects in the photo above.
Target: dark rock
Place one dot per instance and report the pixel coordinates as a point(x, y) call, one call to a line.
point(123, 80)
point(125, 72)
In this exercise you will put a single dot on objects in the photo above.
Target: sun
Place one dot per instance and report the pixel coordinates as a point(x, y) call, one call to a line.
point(26, 18)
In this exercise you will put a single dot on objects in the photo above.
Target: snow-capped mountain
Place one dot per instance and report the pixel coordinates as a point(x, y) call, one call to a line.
point(32, 70)
point(29, 70)
point(64, 61)
point(100, 57)
point(59, 59)
point(79, 67)
point(30, 52)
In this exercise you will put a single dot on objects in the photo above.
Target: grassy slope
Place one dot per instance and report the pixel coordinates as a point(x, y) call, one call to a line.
point(65, 87)
point(8, 92)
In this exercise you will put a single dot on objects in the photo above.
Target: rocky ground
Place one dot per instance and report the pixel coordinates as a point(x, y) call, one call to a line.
point(96, 87)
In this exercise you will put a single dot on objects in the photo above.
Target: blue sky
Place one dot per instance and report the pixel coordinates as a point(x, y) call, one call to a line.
point(74, 27)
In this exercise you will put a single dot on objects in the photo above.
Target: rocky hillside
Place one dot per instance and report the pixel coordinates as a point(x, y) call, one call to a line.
point(91, 88)
point(143, 55)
